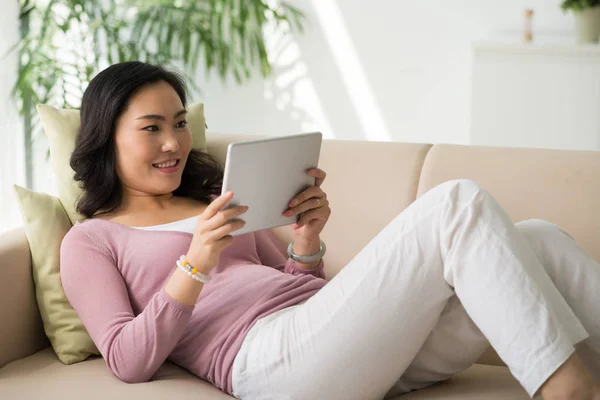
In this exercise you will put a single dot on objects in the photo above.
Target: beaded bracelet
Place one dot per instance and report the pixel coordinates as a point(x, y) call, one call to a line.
point(185, 266)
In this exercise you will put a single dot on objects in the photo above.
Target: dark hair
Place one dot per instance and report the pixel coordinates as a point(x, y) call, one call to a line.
point(94, 157)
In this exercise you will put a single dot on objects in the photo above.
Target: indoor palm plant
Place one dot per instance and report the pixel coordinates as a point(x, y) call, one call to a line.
point(587, 19)
point(64, 43)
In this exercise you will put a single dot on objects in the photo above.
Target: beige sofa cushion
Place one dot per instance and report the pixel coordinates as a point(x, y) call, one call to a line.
point(560, 186)
point(43, 376)
point(480, 382)
point(378, 179)
point(21, 329)
point(367, 184)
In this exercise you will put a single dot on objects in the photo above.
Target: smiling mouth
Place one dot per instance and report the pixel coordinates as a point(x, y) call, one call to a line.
point(169, 164)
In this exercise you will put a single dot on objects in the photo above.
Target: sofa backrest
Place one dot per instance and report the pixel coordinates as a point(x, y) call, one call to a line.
point(363, 199)
point(559, 186)
point(369, 183)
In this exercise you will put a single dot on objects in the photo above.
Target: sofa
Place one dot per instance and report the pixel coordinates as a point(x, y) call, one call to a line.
point(368, 184)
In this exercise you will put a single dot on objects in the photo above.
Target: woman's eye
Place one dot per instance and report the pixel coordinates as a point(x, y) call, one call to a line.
point(154, 128)
point(150, 128)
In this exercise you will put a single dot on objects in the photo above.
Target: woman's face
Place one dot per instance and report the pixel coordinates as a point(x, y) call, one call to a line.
point(152, 141)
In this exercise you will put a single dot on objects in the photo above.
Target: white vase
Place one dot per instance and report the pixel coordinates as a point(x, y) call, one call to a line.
point(587, 25)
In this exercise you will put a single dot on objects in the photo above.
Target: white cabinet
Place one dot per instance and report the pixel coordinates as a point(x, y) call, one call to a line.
point(545, 96)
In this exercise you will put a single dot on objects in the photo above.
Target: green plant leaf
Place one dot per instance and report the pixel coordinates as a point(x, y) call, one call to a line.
point(579, 5)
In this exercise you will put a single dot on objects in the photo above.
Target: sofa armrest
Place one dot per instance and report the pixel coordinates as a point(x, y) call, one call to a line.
point(21, 328)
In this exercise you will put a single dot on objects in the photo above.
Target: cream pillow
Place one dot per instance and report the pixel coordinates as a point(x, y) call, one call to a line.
point(46, 224)
point(61, 128)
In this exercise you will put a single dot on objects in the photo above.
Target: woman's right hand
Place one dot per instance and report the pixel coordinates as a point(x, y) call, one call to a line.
point(212, 233)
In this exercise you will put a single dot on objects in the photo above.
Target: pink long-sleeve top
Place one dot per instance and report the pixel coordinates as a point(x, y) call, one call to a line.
point(113, 276)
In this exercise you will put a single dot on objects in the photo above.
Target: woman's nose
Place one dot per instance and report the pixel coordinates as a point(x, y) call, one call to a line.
point(170, 143)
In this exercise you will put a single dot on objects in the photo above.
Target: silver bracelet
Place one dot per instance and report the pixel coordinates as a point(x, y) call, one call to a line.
point(306, 259)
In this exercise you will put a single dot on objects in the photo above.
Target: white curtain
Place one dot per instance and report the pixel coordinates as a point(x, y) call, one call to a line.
point(11, 127)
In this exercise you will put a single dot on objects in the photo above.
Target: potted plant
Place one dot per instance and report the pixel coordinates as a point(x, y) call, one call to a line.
point(587, 19)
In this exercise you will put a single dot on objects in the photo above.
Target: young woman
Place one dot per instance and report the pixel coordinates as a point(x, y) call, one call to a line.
point(417, 305)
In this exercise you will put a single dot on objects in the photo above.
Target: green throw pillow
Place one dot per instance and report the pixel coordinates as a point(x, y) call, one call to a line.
point(46, 224)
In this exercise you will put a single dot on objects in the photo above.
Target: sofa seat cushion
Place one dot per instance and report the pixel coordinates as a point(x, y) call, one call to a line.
point(42, 375)
point(480, 382)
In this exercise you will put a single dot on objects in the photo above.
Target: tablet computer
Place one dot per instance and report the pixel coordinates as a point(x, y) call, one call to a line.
point(266, 174)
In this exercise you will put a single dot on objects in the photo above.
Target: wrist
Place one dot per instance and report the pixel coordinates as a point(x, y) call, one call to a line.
point(308, 266)
point(304, 247)
point(197, 264)
point(307, 254)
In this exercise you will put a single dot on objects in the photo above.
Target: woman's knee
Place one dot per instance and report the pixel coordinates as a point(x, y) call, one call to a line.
point(465, 187)
point(540, 230)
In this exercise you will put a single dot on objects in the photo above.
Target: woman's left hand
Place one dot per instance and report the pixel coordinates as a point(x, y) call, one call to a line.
point(314, 207)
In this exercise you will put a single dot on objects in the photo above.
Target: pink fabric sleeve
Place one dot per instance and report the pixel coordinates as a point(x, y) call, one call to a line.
point(273, 253)
point(134, 347)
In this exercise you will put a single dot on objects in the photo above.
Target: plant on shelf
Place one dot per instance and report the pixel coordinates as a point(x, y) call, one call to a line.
point(587, 19)
point(64, 43)
point(579, 5)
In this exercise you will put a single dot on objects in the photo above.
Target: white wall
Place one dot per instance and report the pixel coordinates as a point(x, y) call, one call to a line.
point(11, 133)
point(393, 70)
point(536, 96)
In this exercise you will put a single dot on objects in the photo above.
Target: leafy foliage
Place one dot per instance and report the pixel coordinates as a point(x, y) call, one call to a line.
point(69, 40)
point(579, 5)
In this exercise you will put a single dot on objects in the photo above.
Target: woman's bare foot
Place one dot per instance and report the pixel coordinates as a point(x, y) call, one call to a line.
point(572, 381)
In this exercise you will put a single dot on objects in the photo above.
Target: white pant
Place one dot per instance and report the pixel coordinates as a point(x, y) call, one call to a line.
point(419, 303)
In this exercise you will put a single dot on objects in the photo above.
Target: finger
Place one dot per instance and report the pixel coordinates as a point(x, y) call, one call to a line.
point(312, 191)
point(224, 241)
point(224, 216)
point(309, 216)
point(319, 175)
point(217, 204)
point(309, 204)
point(226, 229)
